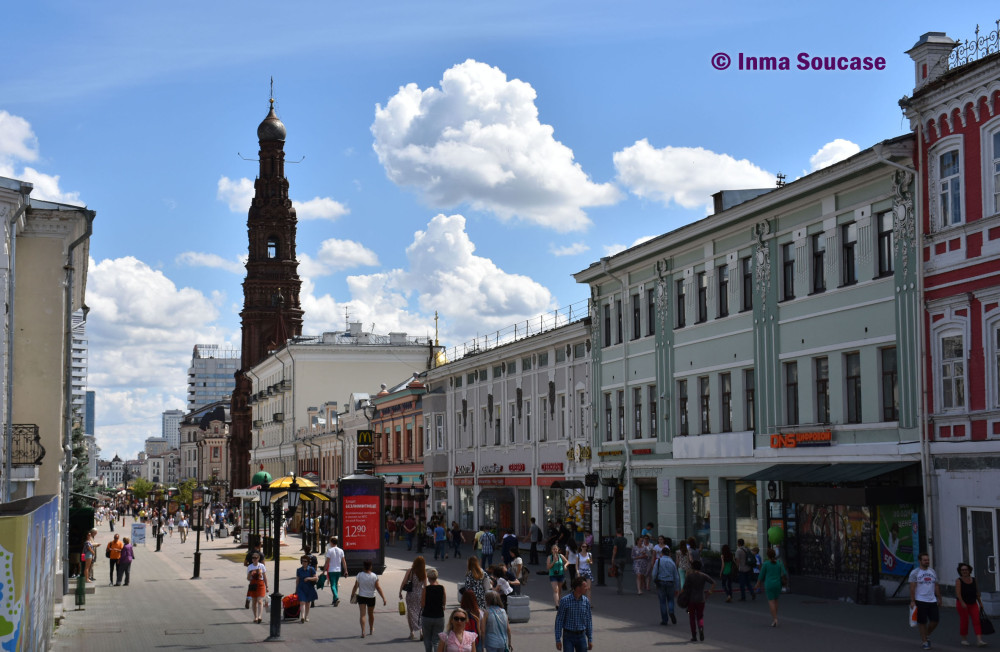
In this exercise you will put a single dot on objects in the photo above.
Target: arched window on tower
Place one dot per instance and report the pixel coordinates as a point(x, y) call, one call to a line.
point(272, 247)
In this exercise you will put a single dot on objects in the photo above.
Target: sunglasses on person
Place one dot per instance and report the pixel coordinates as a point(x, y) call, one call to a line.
point(457, 619)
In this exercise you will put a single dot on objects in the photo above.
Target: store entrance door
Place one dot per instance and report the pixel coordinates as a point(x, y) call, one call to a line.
point(981, 546)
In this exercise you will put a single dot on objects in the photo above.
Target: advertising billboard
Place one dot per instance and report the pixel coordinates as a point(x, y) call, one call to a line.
point(361, 509)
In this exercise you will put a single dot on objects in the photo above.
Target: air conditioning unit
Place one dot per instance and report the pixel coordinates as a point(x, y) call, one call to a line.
point(279, 416)
point(258, 423)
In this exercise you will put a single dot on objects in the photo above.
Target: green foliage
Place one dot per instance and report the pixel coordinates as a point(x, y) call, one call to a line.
point(141, 487)
point(81, 480)
point(186, 495)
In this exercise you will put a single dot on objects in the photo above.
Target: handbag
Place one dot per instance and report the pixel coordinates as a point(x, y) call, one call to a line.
point(402, 607)
point(986, 627)
point(107, 552)
point(321, 582)
point(613, 570)
point(683, 598)
point(409, 583)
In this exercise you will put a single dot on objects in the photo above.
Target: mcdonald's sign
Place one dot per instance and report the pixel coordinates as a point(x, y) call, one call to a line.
point(365, 438)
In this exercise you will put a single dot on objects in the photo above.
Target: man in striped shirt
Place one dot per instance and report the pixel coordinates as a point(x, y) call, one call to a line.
point(574, 624)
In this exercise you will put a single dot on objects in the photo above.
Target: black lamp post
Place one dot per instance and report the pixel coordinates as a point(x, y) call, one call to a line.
point(591, 481)
point(293, 502)
point(160, 519)
point(198, 497)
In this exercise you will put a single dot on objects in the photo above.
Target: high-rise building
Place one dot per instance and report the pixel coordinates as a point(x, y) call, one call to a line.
point(78, 373)
point(171, 427)
point(88, 413)
point(211, 376)
point(271, 310)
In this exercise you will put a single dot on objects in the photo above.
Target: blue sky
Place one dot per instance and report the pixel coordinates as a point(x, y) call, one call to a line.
point(459, 157)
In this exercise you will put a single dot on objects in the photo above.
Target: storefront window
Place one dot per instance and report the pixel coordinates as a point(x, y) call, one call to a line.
point(466, 508)
point(554, 501)
point(523, 511)
point(829, 542)
point(696, 506)
point(743, 513)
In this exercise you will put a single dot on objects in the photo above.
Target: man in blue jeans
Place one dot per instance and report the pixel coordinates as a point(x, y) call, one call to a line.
point(574, 622)
point(440, 541)
point(667, 581)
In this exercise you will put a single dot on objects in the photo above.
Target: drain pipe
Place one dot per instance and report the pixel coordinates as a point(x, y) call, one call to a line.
point(605, 267)
point(68, 463)
point(8, 466)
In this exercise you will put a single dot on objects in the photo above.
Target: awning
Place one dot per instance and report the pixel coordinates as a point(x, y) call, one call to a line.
point(567, 484)
point(817, 473)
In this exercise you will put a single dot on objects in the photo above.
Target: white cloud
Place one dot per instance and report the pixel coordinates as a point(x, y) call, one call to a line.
point(611, 250)
point(478, 140)
point(320, 208)
point(472, 295)
point(569, 250)
point(336, 255)
point(687, 176)
point(18, 144)
point(237, 194)
point(833, 152)
point(141, 330)
point(199, 259)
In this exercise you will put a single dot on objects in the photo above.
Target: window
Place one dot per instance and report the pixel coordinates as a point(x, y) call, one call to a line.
point(543, 360)
point(884, 243)
point(458, 381)
point(680, 304)
point(822, 371)
point(607, 416)
point(952, 372)
point(723, 273)
point(636, 317)
point(726, 392)
point(650, 312)
point(852, 366)
point(439, 431)
point(682, 405)
point(996, 171)
point(791, 393)
point(579, 350)
point(819, 263)
point(848, 258)
point(545, 420)
point(527, 421)
point(705, 396)
point(652, 411)
point(702, 297)
point(497, 371)
point(788, 271)
point(621, 414)
point(582, 407)
point(512, 367)
point(607, 326)
point(562, 416)
point(637, 412)
point(618, 316)
point(510, 428)
point(950, 188)
point(486, 427)
point(561, 352)
point(496, 429)
point(890, 385)
point(272, 247)
point(526, 364)
point(746, 271)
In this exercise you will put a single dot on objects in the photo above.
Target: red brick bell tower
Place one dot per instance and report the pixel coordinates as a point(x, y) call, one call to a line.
point(271, 310)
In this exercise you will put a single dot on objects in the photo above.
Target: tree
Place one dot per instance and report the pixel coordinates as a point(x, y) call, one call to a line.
point(141, 487)
point(81, 479)
point(185, 494)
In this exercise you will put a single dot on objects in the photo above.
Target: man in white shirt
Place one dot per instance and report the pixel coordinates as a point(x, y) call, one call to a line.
point(335, 567)
point(925, 595)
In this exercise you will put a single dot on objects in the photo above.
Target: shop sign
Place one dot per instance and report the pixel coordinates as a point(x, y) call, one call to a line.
point(438, 484)
point(548, 481)
point(642, 451)
point(608, 453)
point(552, 467)
point(465, 469)
point(800, 439)
point(491, 482)
point(492, 469)
point(462, 482)
point(516, 468)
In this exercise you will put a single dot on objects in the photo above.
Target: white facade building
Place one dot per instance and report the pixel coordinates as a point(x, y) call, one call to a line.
point(171, 427)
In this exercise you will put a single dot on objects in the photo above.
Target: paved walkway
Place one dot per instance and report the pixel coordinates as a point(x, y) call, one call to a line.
point(164, 609)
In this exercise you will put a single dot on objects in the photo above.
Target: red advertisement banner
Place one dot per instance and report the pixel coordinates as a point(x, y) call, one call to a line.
point(361, 519)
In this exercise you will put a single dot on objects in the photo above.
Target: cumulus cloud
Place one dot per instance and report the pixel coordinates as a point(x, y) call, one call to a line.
point(336, 255)
point(568, 250)
point(687, 176)
point(472, 295)
point(238, 194)
point(612, 249)
point(18, 145)
point(833, 152)
point(199, 259)
point(477, 140)
point(141, 331)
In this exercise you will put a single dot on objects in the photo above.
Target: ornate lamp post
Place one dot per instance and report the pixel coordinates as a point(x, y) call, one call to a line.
point(198, 497)
point(293, 502)
point(591, 481)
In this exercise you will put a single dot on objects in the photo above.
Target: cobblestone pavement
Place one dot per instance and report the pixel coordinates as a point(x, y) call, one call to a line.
point(163, 609)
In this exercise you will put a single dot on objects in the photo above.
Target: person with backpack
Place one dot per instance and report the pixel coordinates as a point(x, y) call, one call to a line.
point(488, 542)
point(668, 582)
point(746, 562)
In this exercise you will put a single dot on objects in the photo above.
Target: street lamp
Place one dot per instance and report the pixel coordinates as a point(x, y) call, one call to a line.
point(161, 519)
point(293, 503)
point(591, 481)
point(198, 516)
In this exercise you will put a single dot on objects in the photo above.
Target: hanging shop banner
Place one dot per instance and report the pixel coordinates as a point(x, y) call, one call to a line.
point(897, 536)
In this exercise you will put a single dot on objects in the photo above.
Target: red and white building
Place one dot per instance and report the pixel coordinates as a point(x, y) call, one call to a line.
point(955, 114)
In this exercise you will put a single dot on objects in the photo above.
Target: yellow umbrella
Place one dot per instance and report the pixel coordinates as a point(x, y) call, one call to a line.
point(304, 495)
point(286, 482)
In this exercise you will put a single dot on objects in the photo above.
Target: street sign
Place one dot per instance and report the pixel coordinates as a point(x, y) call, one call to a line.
point(365, 438)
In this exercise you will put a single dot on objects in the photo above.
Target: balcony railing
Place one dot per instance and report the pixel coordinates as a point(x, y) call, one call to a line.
point(26, 445)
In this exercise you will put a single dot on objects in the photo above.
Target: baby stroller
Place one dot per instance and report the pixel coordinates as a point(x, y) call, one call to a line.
point(237, 532)
point(290, 606)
